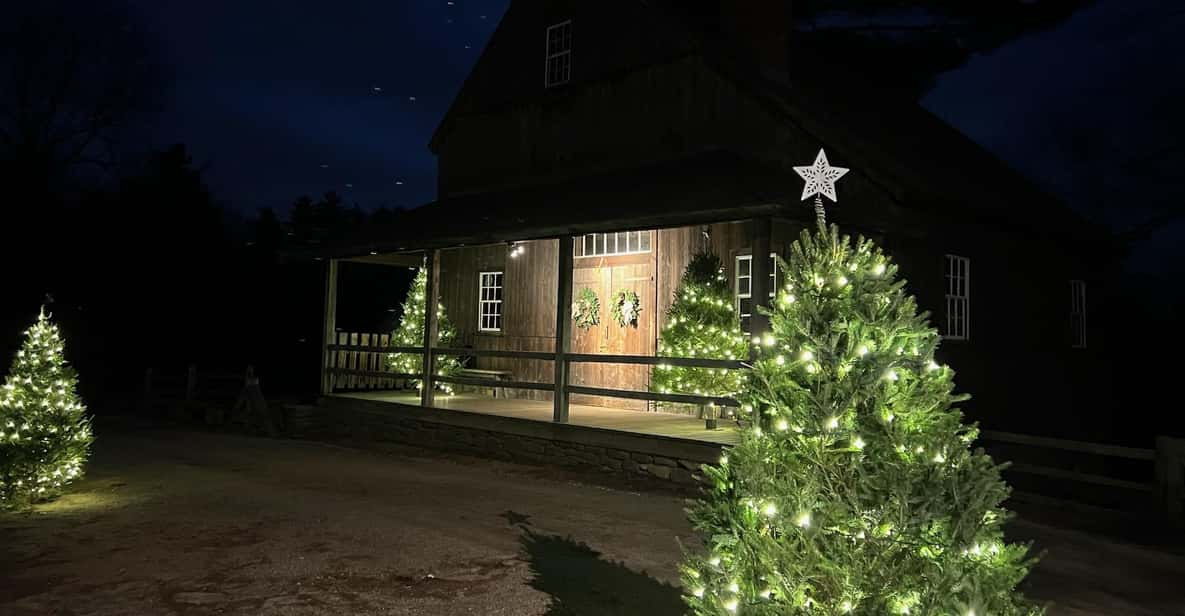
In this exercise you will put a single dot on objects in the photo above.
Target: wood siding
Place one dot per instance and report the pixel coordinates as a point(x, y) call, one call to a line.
point(528, 305)
point(528, 309)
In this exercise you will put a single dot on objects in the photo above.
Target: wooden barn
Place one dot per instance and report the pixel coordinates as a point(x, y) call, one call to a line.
point(600, 145)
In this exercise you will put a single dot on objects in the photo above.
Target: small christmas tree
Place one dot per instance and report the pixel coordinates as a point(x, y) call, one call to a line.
point(44, 433)
point(410, 333)
point(701, 322)
point(853, 490)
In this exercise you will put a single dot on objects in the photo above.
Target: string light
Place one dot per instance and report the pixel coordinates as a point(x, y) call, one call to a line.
point(832, 464)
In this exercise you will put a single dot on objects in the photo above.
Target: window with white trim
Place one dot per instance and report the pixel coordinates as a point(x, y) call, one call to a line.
point(489, 302)
point(1078, 314)
point(557, 67)
point(609, 244)
point(744, 286)
point(958, 298)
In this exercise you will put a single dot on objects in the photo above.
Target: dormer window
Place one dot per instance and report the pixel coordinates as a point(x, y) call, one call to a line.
point(557, 67)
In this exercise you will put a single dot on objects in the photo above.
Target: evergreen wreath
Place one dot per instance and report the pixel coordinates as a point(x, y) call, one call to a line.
point(626, 307)
point(586, 310)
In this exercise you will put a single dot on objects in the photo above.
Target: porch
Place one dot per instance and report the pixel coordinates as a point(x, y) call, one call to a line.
point(508, 308)
point(587, 416)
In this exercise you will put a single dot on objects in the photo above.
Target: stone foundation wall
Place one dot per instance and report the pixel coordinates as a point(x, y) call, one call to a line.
point(525, 441)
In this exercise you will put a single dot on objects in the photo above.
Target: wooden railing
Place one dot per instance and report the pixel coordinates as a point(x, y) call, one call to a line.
point(357, 362)
point(1111, 476)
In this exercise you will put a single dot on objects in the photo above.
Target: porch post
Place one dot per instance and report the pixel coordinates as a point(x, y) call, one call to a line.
point(329, 334)
point(428, 383)
point(563, 328)
point(760, 269)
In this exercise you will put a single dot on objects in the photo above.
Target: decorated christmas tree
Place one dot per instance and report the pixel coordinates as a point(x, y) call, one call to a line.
point(410, 333)
point(701, 322)
point(853, 488)
point(44, 433)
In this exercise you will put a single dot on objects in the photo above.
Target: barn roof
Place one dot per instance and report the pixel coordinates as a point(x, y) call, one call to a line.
point(927, 165)
point(708, 186)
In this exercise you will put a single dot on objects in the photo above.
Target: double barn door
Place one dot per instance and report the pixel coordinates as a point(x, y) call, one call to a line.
point(606, 276)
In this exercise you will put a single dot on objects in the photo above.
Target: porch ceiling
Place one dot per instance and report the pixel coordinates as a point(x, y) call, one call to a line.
point(707, 187)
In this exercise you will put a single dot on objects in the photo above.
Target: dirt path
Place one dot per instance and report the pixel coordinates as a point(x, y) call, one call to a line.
point(193, 524)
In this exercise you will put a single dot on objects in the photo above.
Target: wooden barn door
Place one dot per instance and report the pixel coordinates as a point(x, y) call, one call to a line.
point(606, 276)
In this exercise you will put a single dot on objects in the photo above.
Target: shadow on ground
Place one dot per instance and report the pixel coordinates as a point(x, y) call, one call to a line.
point(581, 583)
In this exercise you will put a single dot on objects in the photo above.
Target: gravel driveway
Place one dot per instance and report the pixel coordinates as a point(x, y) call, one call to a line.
point(173, 522)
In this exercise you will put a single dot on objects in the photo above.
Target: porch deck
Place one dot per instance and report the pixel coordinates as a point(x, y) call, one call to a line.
point(622, 420)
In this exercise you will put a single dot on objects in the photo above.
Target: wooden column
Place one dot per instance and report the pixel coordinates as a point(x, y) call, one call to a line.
point(563, 328)
point(760, 241)
point(431, 290)
point(329, 334)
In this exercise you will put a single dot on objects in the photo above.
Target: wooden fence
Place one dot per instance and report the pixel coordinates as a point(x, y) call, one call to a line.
point(217, 396)
point(1059, 471)
point(359, 361)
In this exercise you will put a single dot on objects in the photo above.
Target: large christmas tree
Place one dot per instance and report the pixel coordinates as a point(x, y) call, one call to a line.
point(702, 322)
point(410, 333)
point(44, 433)
point(853, 490)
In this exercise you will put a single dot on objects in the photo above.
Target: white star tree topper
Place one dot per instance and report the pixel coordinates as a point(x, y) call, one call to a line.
point(820, 179)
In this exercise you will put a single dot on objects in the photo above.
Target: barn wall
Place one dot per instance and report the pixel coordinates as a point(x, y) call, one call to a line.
point(528, 309)
point(529, 290)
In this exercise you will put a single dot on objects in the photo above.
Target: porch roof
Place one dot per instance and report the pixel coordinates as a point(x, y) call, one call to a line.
point(705, 187)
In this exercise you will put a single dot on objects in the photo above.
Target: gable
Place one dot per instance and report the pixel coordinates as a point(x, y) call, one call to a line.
point(648, 86)
point(609, 36)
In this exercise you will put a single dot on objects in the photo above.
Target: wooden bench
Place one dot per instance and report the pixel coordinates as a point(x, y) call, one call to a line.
point(497, 375)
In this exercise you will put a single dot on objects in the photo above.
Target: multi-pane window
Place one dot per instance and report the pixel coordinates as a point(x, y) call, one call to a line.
point(744, 286)
point(1078, 314)
point(607, 244)
point(958, 298)
point(489, 302)
point(557, 68)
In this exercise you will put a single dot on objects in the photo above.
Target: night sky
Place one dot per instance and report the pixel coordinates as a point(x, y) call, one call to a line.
point(300, 97)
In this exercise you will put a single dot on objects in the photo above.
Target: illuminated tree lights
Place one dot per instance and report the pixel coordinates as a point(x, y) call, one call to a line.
point(853, 488)
point(702, 322)
point(410, 333)
point(44, 433)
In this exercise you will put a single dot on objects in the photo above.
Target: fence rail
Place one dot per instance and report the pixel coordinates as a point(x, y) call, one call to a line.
point(357, 361)
point(212, 394)
point(1134, 453)
point(1154, 476)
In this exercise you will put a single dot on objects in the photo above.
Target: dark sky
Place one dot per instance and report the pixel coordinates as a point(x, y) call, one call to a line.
point(299, 97)
point(267, 93)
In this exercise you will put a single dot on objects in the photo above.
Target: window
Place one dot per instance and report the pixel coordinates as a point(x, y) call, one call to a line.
point(557, 68)
point(958, 298)
point(607, 244)
point(489, 300)
point(1078, 314)
point(744, 286)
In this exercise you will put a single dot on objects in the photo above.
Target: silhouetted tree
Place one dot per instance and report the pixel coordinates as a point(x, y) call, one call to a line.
point(72, 74)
